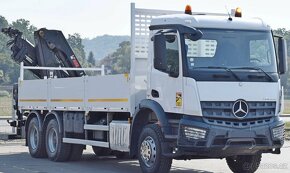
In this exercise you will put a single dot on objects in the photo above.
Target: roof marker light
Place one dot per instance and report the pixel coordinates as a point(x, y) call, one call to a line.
point(188, 10)
point(238, 12)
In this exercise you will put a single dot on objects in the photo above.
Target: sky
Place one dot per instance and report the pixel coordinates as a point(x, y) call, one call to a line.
point(92, 18)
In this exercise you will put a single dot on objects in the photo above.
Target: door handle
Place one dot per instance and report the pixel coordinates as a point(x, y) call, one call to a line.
point(155, 93)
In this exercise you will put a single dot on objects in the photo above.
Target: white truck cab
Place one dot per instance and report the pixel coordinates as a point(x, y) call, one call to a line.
point(217, 78)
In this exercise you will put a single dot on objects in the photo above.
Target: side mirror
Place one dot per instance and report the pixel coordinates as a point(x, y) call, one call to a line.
point(282, 55)
point(159, 52)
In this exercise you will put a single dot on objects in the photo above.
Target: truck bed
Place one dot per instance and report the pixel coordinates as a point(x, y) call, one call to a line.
point(109, 93)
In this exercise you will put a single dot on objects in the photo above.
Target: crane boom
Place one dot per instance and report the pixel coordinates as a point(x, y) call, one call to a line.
point(50, 50)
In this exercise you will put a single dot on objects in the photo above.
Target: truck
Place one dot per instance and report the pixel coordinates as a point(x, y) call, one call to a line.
point(201, 86)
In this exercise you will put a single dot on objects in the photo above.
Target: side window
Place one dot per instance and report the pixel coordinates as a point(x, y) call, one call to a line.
point(259, 52)
point(172, 55)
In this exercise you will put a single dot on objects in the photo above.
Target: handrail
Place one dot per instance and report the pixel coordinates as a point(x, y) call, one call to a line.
point(22, 68)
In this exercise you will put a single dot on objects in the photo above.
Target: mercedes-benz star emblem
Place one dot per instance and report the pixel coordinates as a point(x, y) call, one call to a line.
point(240, 109)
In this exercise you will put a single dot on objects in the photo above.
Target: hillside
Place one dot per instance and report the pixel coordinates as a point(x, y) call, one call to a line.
point(101, 46)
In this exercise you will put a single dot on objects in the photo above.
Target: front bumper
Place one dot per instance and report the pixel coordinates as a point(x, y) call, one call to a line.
point(202, 139)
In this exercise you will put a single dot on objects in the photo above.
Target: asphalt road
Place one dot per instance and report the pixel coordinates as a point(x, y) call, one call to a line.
point(14, 158)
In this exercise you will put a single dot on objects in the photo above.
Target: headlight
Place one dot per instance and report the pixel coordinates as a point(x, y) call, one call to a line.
point(194, 133)
point(278, 132)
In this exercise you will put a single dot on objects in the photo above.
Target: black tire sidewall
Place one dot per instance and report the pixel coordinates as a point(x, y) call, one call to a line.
point(39, 151)
point(52, 124)
point(63, 150)
point(244, 164)
point(148, 131)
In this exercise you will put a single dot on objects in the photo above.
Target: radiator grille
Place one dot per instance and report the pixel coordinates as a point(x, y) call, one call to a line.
point(220, 113)
point(224, 109)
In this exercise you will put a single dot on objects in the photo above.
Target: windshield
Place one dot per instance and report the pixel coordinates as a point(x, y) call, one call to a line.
point(237, 50)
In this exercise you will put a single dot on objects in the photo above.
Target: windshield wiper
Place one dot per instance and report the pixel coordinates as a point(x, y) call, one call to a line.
point(257, 69)
point(224, 68)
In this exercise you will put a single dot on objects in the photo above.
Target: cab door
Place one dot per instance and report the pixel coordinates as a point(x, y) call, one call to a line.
point(166, 85)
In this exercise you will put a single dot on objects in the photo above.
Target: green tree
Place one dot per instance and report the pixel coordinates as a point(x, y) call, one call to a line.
point(75, 42)
point(10, 70)
point(3, 38)
point(283, 32)
point(3, 22)
point(25, 27)
point(91, 58)
point(119, 61)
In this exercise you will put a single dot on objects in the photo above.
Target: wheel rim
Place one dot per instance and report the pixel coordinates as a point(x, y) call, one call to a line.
point(52, 140)
point(33, 138)
point(148, 151)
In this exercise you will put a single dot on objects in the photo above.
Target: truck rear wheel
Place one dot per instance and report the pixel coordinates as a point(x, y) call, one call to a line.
point(149, 151)
point(55, 148)
point(244, 164)
point(35, 139)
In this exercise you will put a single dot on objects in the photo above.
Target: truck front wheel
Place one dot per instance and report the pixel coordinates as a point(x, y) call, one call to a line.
point(149, 151)
point(244, 164)
point(35, 139)
point(55, 148)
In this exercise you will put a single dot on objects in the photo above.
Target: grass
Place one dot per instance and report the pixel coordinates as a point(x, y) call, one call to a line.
point(287, 132)
point(287, 125)
point(286, 107)
point(5, 106)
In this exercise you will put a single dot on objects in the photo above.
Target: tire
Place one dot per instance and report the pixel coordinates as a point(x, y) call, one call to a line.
point(56, 150)
point(100, 151)
point(35, 139)
point(244, 164)
point(149, 151)
point(76, 152)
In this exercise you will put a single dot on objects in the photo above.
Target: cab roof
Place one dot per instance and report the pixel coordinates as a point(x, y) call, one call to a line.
point(212, 21)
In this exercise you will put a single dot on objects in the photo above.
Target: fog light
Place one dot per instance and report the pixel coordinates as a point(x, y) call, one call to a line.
point(279, 132)
point(194, 133)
